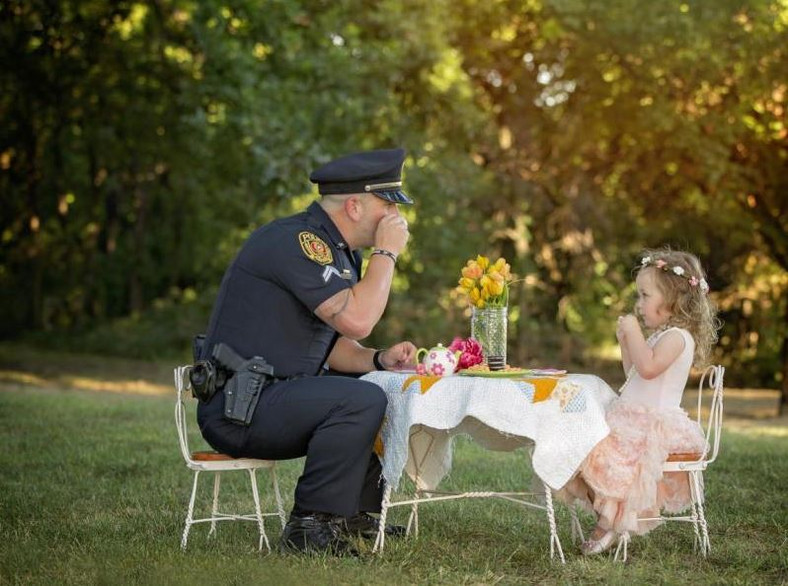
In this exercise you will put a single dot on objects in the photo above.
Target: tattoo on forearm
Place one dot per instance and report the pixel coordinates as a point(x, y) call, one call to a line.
point(344, 305)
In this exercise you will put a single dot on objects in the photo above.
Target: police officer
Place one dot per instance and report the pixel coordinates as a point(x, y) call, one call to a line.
point(294, 295)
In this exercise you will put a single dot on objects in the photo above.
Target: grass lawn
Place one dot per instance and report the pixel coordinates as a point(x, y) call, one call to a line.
point(93, 490)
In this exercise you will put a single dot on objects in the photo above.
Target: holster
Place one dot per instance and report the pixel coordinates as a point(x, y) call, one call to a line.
point(243, 388)
point(242, 391)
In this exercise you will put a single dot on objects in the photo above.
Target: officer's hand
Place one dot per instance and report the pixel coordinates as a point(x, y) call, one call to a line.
point(399, 356)
point(392, 233)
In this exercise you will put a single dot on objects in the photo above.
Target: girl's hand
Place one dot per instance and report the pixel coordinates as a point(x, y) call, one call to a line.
point(626, 325)
point(620, 335)
point(627, 333)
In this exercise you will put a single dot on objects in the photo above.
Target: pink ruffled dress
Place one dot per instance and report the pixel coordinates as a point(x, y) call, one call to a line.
point(622, 479)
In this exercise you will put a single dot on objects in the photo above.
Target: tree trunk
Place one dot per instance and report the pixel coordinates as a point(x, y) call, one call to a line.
point(783, 408)
point(34, 247)
point(136, 294)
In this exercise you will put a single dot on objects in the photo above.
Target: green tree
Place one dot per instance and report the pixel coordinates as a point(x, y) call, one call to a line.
point(623, 125)
point(141, 141)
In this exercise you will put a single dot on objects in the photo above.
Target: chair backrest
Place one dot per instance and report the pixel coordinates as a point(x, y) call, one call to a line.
point(183, 390)
point(711, 382)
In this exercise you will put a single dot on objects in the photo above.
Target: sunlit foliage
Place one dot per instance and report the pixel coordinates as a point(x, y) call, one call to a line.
point(142, 141)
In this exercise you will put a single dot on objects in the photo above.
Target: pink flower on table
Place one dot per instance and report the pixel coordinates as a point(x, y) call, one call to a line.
point(471, 352)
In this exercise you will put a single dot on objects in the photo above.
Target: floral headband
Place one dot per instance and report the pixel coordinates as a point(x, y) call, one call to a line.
point(676, 270)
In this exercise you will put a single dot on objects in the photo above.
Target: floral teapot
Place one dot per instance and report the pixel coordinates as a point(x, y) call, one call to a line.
point(437, 361)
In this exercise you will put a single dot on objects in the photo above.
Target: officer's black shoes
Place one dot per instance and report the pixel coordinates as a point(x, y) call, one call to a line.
point(323, 533)
point(316, 533)
point(366, 526)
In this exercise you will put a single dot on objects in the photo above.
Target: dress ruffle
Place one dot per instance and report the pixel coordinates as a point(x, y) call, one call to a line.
point(622, 479)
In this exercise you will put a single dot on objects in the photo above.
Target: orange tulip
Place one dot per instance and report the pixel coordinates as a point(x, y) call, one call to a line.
point(472, 270)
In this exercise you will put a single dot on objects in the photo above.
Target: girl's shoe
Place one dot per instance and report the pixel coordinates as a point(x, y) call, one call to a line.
point(596, 546)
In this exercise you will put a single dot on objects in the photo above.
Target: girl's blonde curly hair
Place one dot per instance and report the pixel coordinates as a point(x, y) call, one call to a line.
point(679, 276)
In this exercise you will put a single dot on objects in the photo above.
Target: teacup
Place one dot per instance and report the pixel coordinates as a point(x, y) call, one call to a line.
point(437, 361)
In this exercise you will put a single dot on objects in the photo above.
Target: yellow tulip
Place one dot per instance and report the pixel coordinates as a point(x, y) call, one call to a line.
point(467, 283)
point(504, 268)
point(496, 287)
point(485, 282)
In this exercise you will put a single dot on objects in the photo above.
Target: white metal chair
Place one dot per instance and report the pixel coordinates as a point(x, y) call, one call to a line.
point(208, 461)
point(711, 383)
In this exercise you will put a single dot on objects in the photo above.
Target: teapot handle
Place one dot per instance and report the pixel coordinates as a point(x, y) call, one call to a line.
point(419, 353)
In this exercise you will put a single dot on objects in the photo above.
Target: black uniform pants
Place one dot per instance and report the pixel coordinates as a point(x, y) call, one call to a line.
point(333, 421)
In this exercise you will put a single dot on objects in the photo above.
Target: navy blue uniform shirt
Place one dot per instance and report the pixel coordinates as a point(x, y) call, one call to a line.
point(266, 302)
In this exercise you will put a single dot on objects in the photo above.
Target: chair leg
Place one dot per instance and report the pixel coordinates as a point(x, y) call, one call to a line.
point(189, 513)
point(555, 543)
point(217, 481)
point(704, 542)
point(621, 548)
point(258, 512)
point(413, 518)
point(278, 495)
point(380, 538)
point(694, 517)
point(577, 528)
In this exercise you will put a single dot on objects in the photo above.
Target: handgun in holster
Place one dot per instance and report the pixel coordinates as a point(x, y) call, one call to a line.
point(242, 390)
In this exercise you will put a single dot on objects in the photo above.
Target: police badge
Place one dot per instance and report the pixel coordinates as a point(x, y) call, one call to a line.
point(315, 249)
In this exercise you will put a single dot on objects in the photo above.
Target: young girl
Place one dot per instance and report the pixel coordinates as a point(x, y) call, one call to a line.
point(622, 479)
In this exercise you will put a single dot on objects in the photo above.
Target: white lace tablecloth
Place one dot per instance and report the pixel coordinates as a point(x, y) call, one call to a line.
point(498, 413)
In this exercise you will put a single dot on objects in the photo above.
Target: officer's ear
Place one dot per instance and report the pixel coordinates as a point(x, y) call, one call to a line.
point(354, 208)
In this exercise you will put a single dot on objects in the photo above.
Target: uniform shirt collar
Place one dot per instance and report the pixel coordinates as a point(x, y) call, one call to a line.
point(320, 219)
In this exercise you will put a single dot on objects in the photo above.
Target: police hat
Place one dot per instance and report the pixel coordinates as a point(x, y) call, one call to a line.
point(377, 172)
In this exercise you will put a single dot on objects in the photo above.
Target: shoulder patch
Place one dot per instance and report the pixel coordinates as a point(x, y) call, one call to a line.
point(315, 249)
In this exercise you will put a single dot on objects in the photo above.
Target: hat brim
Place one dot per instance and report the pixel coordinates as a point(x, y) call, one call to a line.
point(394, 196)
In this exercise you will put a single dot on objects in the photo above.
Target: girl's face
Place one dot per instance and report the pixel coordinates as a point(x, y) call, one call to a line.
point(650, 304)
